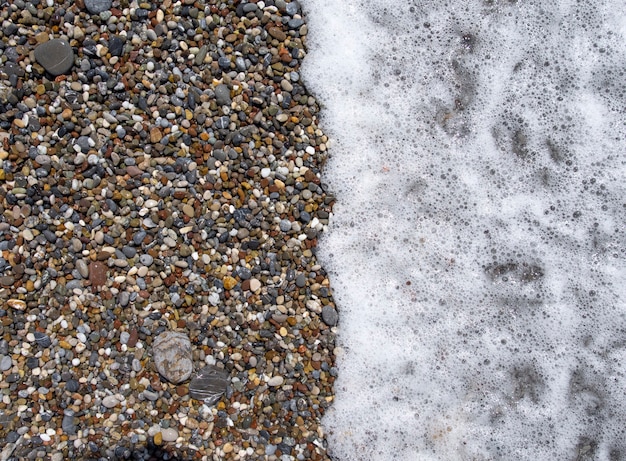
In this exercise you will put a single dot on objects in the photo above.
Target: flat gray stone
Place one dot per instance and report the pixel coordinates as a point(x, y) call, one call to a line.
point(209, 384)
point(330, 316)
point(222, 95)
point(56, 56)
point(171, 352)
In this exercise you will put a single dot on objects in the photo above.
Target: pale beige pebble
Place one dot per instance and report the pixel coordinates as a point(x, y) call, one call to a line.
point(142, 271)
point(99, 237)
point(255, 285)
point(28, 235)
point(228, 447)
point(275, 381)
point(110, 401)
point(188, 210)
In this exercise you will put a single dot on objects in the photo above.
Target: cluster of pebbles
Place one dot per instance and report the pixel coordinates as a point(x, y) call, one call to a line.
point(160, 203)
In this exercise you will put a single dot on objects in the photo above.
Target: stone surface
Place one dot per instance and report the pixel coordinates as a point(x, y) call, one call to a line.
point(169, 434)
point(275, 381)
point(209, 384)
point(98, 6)
point(56, 56)
point(171, 352)
point(222, 95)
point(330, 316)
point(143, 191)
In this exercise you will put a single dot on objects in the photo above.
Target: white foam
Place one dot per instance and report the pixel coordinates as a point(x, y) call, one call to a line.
point(477, 244)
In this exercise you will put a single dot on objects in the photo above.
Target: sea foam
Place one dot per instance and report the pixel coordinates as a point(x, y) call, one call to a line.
point(477, 245)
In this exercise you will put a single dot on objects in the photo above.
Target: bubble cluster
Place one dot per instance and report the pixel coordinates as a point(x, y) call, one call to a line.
point(477, 249)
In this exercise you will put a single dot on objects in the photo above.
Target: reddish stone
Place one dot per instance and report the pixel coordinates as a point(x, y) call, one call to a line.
point(97, 274)
point(133, 338)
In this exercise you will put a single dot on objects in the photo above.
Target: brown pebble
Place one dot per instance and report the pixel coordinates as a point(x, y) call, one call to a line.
point(277, 33)
point(155, 135)
point(133, 338)
point(97, 274)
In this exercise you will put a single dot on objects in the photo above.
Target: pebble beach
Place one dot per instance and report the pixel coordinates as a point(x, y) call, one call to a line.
point(160, 207)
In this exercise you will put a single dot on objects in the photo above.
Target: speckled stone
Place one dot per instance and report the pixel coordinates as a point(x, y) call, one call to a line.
point(98, 6)
point(171, 352)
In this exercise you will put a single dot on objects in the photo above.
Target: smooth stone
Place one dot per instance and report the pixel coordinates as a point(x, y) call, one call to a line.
point(124, 298)
point(330, 316)
point(42, 339)
point(98, 6)
point(171, 352)
point(301, 281)
point(68, 424)
point(254, 285)
point(110, 401)
point(97, 274)
point(83, 268)
point(285, 225)
point(124, 337)
point(201, 55)
point(222, 95)
point(116, 45)
point(275, 381)
point(169, 435)
point(209, 384)
point(72, 385)
point(5, 363)
point(149, 395)
point(56, 56)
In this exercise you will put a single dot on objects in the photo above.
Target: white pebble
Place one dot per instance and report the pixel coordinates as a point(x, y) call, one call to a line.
point(275, 381)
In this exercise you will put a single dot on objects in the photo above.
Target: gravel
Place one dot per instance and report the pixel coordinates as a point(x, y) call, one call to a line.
point(160, 171)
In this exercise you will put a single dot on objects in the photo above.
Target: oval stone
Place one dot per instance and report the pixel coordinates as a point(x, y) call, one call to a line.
point(171, 352)
point(56, 56)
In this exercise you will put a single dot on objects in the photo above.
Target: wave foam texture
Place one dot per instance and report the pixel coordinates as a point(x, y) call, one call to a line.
point(477, 246)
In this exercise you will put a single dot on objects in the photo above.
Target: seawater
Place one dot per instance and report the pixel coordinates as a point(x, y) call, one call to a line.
point(477, 246)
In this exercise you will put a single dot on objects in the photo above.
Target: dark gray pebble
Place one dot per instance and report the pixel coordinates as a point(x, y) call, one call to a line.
point(116, 45)
point(330, 316)
point(285, 225)
point(43, 340)
point(72, 385)
point(56, 56)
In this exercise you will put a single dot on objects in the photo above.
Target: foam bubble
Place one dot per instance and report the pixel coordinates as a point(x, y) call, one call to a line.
point(477, 245)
